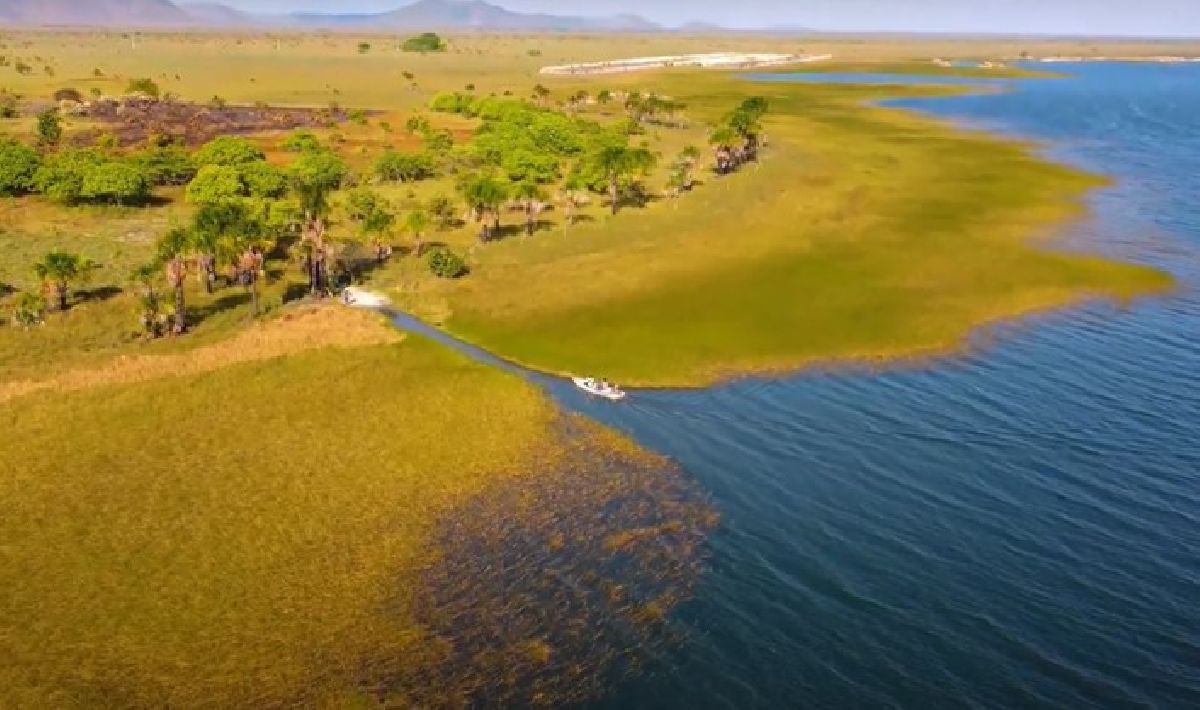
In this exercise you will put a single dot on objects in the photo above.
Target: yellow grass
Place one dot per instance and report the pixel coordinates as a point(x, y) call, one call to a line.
point(297, 331)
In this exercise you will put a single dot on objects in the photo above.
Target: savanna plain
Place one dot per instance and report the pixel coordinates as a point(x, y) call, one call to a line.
point(222, 487)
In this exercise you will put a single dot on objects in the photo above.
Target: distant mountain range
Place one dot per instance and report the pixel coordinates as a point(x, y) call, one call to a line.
point(421, 15)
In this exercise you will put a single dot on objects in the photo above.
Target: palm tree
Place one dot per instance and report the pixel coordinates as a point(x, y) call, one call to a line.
point(145, 277)
point(58, 270)
point(484, 195)
point(533, 201)
point(417, 223)
point(250, 269)
point(173, 249)
point(221, 233)
point(619, 164)
point(722, 141)
point(314, 177)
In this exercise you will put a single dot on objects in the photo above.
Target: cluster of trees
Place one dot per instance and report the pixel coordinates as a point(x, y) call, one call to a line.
point(739, 137)
point(522, 149)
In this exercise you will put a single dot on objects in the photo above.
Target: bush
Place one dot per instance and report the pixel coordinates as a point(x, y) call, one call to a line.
point(166, 166)
point(29, 309)
point(120, 183)
point(18, 163)
point(445, 264)
point(302, 142)
point(424, 42)
point(405, 167)
point(228, 151)
point(143, 86)
point(364, 47)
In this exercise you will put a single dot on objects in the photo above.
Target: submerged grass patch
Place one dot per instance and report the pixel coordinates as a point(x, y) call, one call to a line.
point(263, 535)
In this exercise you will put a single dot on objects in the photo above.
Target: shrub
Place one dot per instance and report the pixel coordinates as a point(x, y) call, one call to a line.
point(18, 163)
point(424, 42)
point(29, 309)
point(357, 116)
point(445, 264)
point(166, 166)
point(302, 142)
point(364, 47)
point(117, 182)
point(404, 167)
point(228, 151)
point(143, 86)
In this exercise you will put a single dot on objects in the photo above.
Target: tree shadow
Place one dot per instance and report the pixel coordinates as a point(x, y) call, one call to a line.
point(229, 301)
point(100, 293)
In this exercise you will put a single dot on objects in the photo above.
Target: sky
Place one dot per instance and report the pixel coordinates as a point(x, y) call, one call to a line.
point(1174, 18)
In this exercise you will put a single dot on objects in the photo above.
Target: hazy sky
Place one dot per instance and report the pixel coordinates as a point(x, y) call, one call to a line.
point(1105, 17)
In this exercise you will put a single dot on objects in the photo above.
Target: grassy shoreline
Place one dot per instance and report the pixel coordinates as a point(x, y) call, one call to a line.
point(906, 235)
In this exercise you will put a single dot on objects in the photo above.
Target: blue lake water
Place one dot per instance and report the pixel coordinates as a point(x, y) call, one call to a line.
point(1019, 527)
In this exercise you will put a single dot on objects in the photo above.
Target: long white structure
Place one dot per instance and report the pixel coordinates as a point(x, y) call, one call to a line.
point(733, 60)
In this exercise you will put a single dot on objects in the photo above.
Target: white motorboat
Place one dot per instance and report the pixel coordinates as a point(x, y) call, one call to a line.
point(599, 388)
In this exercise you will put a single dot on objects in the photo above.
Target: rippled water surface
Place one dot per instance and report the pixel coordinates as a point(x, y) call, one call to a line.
point(1018, 528)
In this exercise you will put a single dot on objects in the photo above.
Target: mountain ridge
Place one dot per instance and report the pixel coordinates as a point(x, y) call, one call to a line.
point(419, 15)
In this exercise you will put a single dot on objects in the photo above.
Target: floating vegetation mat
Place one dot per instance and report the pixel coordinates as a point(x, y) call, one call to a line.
point(550, 588)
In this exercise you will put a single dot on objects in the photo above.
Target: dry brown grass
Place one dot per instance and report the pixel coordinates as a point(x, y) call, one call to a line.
point(299, 330)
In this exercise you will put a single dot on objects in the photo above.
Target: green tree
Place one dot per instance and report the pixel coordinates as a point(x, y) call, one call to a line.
point(417, 224)
point(618, 166)
point(484, 194)
point(394, 166)
point(222, 233)
point(60, 176)
point(118, 182)
point(18, 163)
point(314, 177)
point(533, 203)
point(216, 184)
point(264, 180)
point(443, 211)
point(370, 212)
point(228, 151)
point(58, 270)
point(173, 250)
point(49, 128)
point(166, 166)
